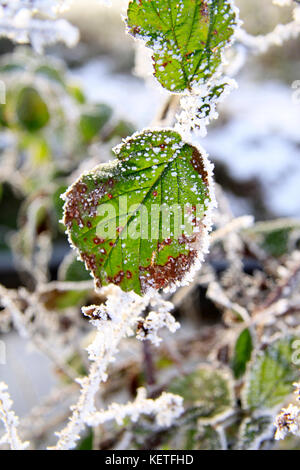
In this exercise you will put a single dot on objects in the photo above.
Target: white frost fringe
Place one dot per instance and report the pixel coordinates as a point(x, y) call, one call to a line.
point(281, 33)
point(10, 421)
point(288, 420)
point(114, 321)
point(18, 23)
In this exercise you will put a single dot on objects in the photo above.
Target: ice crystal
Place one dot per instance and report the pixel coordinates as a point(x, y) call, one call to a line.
point(114, 321)
point(199, 108)
point(18, 23)
point(10, 421)
point(280, 34)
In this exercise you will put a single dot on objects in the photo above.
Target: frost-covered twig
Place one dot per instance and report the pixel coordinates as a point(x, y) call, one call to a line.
point(280, 34)
point(288, 421)
point(26, 329)
point(199, 107)
point(159, 317)
point(47, 7)
point(166, 408)
point(17, 22)
point(10, 421)
point(114, 321)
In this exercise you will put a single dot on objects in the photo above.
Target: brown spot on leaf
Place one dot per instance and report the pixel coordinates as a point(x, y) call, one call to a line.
point(80, 202)
point(161, 276)
point(197, 162)
point(118, 278)
point(90, 261)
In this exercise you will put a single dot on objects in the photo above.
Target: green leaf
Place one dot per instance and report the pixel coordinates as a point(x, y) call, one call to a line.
point(140, 221)
point(73, 270)
point(93, 120)
point(254, 431)
point(121, 130)
point(242, 353)
point(269, 379)
point(207, 391)
point(191, 436)
point(276, 243)
point(51, 72)
point(32, 111)
point(187, 37)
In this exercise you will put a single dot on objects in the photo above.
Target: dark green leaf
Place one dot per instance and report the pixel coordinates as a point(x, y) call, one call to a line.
point(32, 111)
point(242, 353)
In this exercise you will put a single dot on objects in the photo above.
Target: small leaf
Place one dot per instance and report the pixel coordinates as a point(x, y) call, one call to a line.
point(187, 37)
point(191, 436)
point(141, 220)
point(269, 379)
point(242, 353)
point(93, 120)
point(254, 431)
point(208, 392)
point(51, 72)
point(32, 111)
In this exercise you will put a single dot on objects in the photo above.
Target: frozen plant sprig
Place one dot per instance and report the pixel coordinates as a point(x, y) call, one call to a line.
point(281, 33)
point(199, 107)
point(288, 420)
point(165, 408)
point(47, 7)
point(157, 319)
point(10, 421)
point(114, 321)
point(18, 23)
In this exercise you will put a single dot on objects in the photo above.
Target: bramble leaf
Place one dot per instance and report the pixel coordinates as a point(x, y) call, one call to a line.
point(187, 37)
point(207, 392)
point(192, 436)
point(253, 431)
point(271, 375)
point(140, 221)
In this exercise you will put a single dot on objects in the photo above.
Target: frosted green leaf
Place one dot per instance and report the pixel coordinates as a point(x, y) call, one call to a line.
point(206, 391)
point(187, 37)
point(270, 377)
point(191, 436)
point(254, 431)
point(141, 221)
